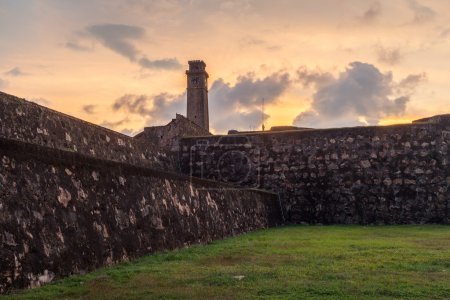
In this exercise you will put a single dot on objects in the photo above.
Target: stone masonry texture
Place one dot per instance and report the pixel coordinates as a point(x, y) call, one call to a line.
point(364, 175)
point(30, 122)
point(64, 213)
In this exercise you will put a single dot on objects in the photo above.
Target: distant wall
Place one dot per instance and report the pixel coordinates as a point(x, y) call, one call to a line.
point(364, 175)
point(30, 122)
point(64, 213)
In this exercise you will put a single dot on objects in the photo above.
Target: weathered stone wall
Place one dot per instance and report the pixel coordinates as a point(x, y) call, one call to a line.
point(63, 213)
point(387, 175)
point(30, 122)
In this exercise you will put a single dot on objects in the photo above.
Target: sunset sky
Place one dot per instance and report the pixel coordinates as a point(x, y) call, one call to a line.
point(321, 63)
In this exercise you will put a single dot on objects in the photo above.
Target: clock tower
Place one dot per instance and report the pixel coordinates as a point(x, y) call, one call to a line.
point(197, 94)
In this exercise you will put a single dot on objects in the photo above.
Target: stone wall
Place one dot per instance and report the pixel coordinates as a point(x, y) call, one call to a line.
point(64, 213)
point(30, 122)
point(364, 175)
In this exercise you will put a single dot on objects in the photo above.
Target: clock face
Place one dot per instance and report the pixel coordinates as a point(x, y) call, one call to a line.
point(195, 81)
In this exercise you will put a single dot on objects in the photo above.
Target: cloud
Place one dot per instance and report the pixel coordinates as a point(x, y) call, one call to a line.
point(154, 109)
point(360, 95)
point(41, 101)
point(251, 41)
point(77, 46)
point(133, 104)
point(121, 38)
point(168, 63)
point(239, 106)
point(165, 106)
point(249, 90)
point(114, 124)
point(445, 33)
point(422, 14)
point(410, 83)
point(231, 106)
point(389, 56)
point(15, 72)
point(118, 37)
point(311, 78)
point(89, 109)
point(3, 83)
point(371, 14)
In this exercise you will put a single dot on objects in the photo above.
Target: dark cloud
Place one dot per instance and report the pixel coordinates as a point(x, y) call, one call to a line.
point(89, 109)
point(118, 37)
point(168, 63)
point(77, 47)
point(389, 56)
point(15, 72)
point(422, 14)
point(132, 103)
point(114, 124)
point(313, 78)
point(410, 83)
point(165, 107)
point(121, 39)
point(359, 96)
point(154, 109)
point(372, 13)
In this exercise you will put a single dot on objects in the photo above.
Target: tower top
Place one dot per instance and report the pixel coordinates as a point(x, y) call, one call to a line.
point(197, 66)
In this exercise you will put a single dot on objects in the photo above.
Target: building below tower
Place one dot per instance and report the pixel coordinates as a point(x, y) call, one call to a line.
point(168, 136)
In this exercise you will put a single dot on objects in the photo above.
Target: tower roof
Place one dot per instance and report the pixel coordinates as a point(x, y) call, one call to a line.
point(196, 62)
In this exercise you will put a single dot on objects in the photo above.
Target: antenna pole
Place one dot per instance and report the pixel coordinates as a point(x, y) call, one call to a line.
point(263, 127)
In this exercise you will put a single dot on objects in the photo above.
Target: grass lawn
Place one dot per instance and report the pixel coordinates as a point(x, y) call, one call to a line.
point(294, 262)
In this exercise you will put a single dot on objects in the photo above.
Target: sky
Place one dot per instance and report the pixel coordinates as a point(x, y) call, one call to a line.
point(324, 63)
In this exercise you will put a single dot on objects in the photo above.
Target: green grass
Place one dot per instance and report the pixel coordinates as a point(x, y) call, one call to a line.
point(297, 262)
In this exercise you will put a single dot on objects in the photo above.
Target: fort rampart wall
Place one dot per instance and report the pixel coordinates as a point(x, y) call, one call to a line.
point(75, 196)
point(33, 123)
point(364, 175)
point(64, 213)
